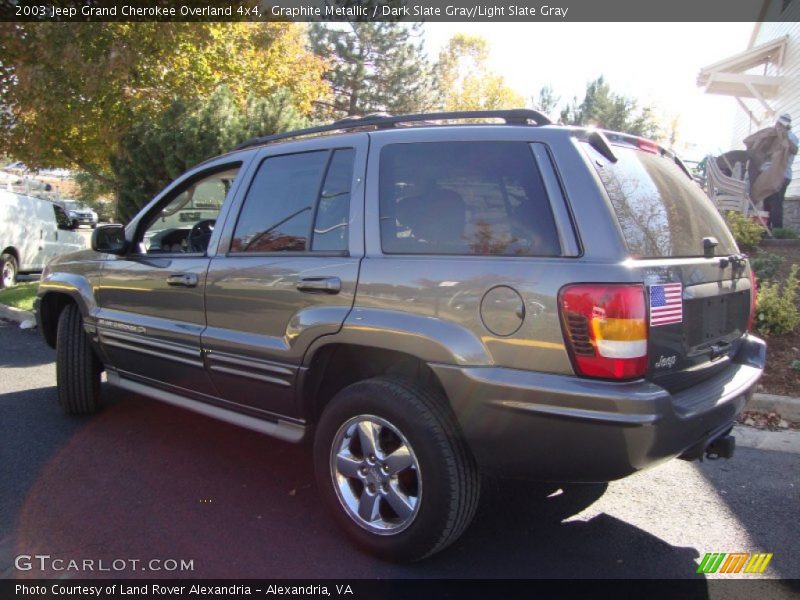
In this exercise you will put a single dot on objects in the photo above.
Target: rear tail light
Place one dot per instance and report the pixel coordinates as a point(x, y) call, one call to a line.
point(605, 328)
point(753, 299)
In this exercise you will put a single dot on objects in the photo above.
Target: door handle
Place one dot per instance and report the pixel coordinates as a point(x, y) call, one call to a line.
point(183, 280)
point(320, 285)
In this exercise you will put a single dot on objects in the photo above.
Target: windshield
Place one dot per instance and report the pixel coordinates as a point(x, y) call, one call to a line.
point(661, 212)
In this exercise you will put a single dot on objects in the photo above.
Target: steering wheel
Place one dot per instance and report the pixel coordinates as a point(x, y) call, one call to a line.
point(200, 235)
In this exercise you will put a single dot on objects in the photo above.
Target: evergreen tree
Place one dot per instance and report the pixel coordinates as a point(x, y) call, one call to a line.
point(158, 149)
point(603, 108)
point(373, 67)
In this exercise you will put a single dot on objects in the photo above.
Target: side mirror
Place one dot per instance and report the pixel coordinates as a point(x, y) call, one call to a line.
point(109, 239)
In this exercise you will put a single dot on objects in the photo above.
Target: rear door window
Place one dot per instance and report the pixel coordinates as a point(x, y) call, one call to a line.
point(661, 211)
point(464, 198)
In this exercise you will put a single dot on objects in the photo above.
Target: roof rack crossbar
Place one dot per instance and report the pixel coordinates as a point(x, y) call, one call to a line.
point(518, 116)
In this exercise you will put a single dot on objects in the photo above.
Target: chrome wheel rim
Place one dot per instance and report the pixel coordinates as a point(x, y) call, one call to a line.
point(376, 475)
point(8, 274)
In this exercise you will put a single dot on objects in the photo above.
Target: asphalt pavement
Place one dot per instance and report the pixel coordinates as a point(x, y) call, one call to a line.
point(142, 480)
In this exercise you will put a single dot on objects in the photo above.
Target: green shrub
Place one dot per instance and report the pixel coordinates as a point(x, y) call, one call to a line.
point(156, 150)
point(777, 312)
point(766, 265)
point(746, 232)
point(781, 233)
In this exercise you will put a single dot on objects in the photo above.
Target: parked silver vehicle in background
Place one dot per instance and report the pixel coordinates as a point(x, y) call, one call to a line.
point(79, 214)
point(32, 232)
point(426, 302)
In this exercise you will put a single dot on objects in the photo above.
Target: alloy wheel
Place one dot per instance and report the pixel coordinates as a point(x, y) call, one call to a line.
point(376, 475)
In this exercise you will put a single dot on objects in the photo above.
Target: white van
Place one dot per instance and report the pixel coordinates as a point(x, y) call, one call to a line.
point(32, 231)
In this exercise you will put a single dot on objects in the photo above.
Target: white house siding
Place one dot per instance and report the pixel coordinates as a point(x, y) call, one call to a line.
point(788, 99)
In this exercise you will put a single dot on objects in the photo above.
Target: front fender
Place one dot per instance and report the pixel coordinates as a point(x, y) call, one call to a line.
point(73, 285)
point(56, 289)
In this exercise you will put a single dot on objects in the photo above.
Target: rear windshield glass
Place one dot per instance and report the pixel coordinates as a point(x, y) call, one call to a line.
point(467, 198)
point(662, 213)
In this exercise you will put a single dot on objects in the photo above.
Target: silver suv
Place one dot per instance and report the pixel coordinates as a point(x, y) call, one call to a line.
point(426, 301)
point(79, 214)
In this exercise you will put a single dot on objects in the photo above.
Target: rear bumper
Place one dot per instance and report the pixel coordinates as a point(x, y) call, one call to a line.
point(565, 428)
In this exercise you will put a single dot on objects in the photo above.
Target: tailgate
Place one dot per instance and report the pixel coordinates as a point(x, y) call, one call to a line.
point(698, 289)
point(697, 316)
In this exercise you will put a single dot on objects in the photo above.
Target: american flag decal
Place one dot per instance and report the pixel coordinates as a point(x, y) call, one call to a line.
point(666, 304)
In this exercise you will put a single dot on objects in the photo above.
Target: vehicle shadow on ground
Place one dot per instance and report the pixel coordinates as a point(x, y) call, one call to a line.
point(530, 530)
point(144, 480)
point(25, 278)
point(26, 350)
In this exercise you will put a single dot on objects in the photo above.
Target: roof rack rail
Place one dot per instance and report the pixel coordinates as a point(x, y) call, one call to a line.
point(517, 116)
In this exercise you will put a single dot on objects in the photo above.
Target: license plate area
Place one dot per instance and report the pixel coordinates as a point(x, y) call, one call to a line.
point(713, 318)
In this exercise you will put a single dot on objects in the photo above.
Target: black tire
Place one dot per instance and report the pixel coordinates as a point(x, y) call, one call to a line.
point(77, 367)
point(9, 271)
point(75, 224)
point(449, 483)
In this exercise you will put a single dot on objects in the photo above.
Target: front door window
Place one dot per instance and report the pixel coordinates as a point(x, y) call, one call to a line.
point(185, 224)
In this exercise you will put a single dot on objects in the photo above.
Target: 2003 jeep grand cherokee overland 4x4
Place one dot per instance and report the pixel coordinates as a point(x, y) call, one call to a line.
point(427, 302)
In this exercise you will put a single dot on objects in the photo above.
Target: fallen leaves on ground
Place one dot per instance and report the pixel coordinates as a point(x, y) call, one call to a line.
point(770, 421)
